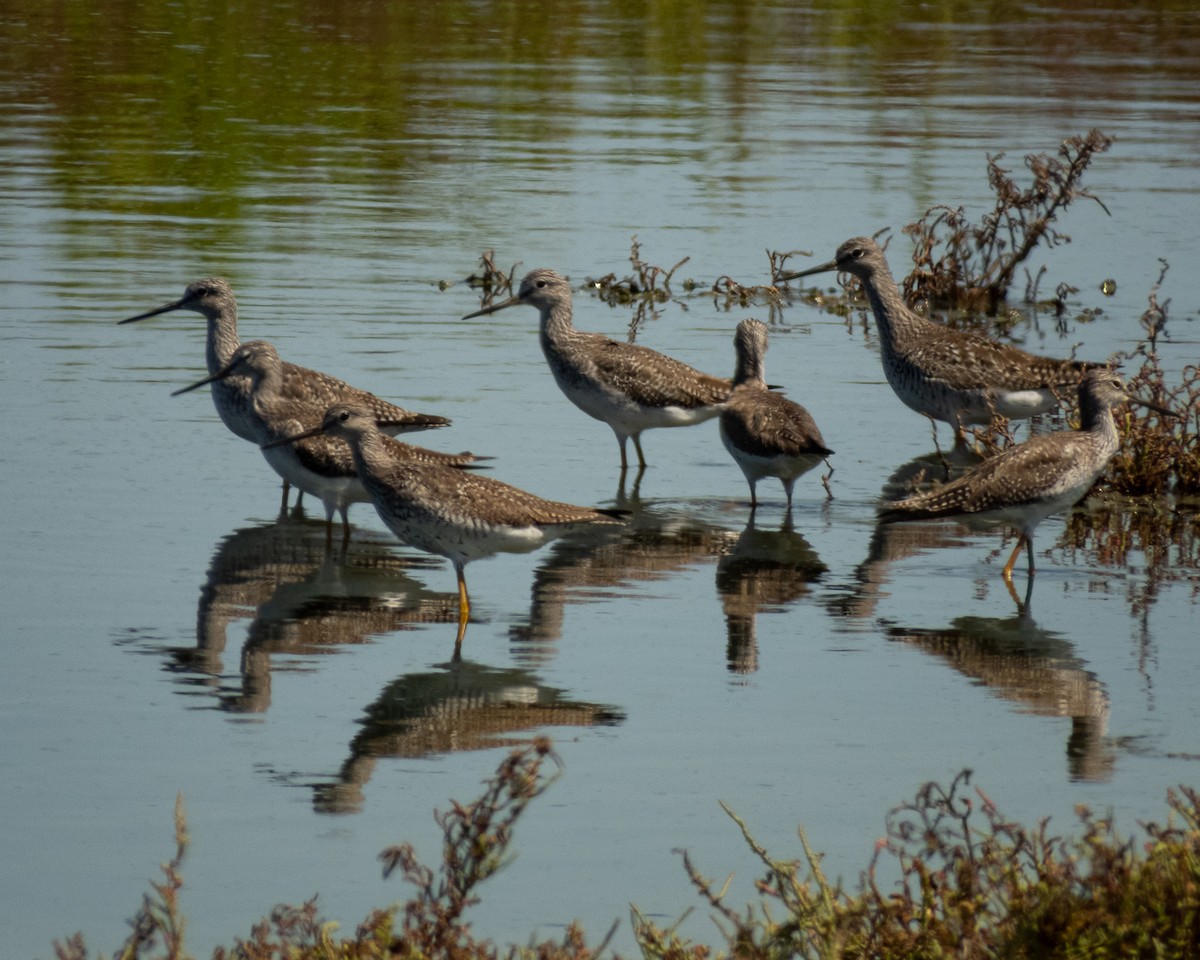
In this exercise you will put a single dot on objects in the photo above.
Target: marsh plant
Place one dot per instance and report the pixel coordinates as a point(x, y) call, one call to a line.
point(491, 279)
point(958, 263)
point(971, 883)
point(1158, 454)
point(647, 282)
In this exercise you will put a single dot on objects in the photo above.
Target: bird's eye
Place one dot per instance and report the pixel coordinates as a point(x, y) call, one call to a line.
point(344, 416)
point(541, 283)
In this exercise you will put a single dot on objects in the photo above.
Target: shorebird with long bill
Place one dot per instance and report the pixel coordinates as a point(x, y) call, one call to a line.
point(451, 513)
point(1031, 481)
point(630, 387)
point(948, 375)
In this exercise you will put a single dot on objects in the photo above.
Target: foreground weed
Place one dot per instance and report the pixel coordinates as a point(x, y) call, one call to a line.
point(476, 838)
point(159, 921)
point(972, 884)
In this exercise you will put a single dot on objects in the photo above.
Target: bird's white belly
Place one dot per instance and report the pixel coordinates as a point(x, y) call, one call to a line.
point(755, 467)
point(627, 416)
point(1022, 404)
point(461, 542)
point(330, 490)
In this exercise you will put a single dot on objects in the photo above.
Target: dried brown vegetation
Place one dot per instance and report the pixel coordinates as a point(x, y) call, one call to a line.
point(490, 278)
point(1158, 454)
point(971, 884)
point(647, 282)
point(961, 264)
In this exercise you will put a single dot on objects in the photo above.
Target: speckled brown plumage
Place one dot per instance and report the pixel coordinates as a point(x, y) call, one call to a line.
point(320, 465)
point(452, 513)
point(1038, 478)
point(213, 298)
point(960, 378)
point(767, 434)
point(630, 387)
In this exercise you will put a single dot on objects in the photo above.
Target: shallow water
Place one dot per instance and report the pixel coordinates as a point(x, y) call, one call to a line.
point(336, 163)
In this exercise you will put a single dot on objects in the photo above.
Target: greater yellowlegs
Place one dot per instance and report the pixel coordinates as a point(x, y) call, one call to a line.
point(767, 434)
point(630, 387)
point(959, 378)
point(455, 514)
point(1043, 476)
point(213, 299)
point(318, 465)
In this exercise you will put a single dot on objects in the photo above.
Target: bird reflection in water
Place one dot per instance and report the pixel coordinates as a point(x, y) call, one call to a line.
point(656, 541)
point(1012, 656)
point(299, 599)
point(456, 706)
point(1036, 669)
point(892, 542)
point(765, 571)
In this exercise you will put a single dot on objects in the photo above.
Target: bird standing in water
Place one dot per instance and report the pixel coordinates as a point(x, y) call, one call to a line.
point(451, 513)
point(321, 466)
point(767, 434)
point(1045, 475)
point(213, 299)
point(959, 378)
point(630, 387)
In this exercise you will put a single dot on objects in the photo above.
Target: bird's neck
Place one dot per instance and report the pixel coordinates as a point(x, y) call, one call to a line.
point(266, 386)
point(222, 339)
point(750, 374)
point(1097, 419)
point(370, 453)
point(555, 325)
point(897, 323)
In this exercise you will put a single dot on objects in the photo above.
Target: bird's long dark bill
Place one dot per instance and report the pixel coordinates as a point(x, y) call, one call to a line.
point(1156, 407)
point(510, 302)
point(212, 378)
point(823, 268)
point(299, 436)
point(165, 308)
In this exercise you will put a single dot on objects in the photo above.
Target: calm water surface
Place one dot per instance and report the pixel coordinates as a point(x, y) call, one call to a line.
point(337, 162)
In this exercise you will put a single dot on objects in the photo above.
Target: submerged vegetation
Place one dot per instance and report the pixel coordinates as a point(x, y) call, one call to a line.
point(970, 884)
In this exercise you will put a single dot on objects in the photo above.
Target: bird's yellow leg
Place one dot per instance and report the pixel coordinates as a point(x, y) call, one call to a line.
point(464, 611)
point(1012, 592)
point(464, 602)
point(1022, 541)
